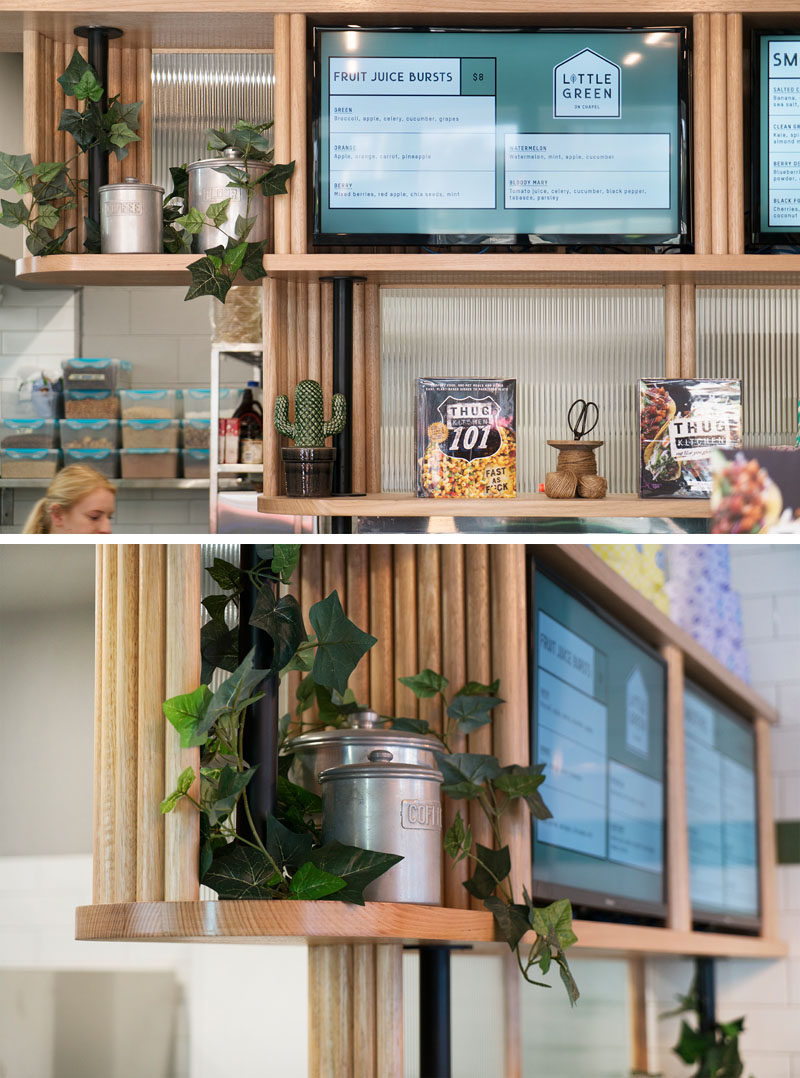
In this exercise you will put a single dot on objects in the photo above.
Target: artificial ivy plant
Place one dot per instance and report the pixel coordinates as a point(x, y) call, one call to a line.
point(712, 1046)
point(291, 862)
point(50, 188)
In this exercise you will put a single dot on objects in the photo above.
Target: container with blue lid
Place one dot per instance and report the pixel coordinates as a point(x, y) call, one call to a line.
point(150, 403)
point(196, 463)
point(31, 433)
point(149, 463)
point(29, 463)
point(104, 461)
point(196, 433)
point(88, 373)
point(197, 402)
point(89, 433)
point(91, 404)
point(150, 433)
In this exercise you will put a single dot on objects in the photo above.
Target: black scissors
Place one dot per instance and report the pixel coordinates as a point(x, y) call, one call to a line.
point(580, 428)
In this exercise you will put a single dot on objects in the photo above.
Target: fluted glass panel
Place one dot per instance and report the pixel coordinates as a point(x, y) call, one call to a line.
point(194, 91)
point(752, 334)
point(559, 343)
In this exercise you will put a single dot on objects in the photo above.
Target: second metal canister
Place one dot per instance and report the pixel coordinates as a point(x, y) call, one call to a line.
point(131, 218)
point(393, 808)
point(207, 185)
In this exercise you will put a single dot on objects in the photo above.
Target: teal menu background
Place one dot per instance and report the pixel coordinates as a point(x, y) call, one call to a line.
point(763, 137)
point(524, 104)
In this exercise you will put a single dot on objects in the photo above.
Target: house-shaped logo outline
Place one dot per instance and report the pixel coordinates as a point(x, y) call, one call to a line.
point(605, 60)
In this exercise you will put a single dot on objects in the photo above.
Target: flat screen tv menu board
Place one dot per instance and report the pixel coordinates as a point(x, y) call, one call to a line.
point(721, 812)
point(599, 727)
point(487, 136)
point(775, 181)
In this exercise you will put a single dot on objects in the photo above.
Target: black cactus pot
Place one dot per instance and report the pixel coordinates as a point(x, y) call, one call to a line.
point(309, 471)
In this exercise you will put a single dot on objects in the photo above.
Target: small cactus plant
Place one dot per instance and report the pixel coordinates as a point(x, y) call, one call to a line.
point(309, 429)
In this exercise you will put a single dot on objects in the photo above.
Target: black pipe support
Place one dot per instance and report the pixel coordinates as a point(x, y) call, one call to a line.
point(98, 38)
point(706, 991)
point(434, 1012)
point(260, 745)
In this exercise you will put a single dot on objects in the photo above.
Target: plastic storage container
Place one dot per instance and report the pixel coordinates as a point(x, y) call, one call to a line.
point(28, 434)
point(29, 463)
point(91, 404)
point(197, 402)
point(28, 403)
point(96, 373)
point(149, 403)
point(149, 463)
point(89, 433)
point(196, 433)
point(150, 433)
point(195, 463)
point(105, 461)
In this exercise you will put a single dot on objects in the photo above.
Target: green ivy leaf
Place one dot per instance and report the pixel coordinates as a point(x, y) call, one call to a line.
point(414, 726)
point(229, 784)
point(244, 226)
point(511, 920)
point(53, 190)
point(340, 643)
point(554, 923)
point(217, 212)
point(274, 181)
point(180, 183)
point(234, 256)
point(253, 264)
point(207, 280)
point(477, 688)
point(297, 806)
point(186, 712)
point(692, 1045)
point(226, 575)
point(236, 176)
point(465, 773)
point(472, 712)
point(233, 693)
point(88, 86)
point(15, 172)
point(219, 647)
point(92, 233)
point(215, 139)
point(458, 839)
point(46, 171)
point(285, 559)
point(492, 868)
point(127, 114)
point(41, 242)
point(75, 71)
point(47, 216)
point(426, 684)
point(356, 867)
point(241, 872)
point(13, 214)
point(121, 135)
point(282, 620)
point(184, 784)
point(81, 125)
point(216, 605)
point(301, 660)
point(192, 221)
point(288, 849)
point(310, 883)
point(517, 781)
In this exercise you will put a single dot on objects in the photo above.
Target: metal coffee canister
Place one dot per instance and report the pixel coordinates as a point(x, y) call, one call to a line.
point(393, 808)
point(317, 751)
point(208, 185)
point(131, 218)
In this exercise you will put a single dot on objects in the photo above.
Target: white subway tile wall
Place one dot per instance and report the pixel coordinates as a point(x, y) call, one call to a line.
point(767, 993)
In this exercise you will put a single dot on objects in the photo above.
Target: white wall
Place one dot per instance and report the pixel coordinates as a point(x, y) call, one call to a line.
point(11, 135)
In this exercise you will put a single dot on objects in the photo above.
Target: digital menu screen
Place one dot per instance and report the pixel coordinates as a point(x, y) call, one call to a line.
point(777, 155)
point(598, 726)
point(721, 808)
point(498, 135)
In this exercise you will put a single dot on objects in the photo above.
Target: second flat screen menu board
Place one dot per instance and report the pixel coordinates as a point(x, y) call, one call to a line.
point(598, 726)
point(721, 812)
point(776, 129)
point(447, 136)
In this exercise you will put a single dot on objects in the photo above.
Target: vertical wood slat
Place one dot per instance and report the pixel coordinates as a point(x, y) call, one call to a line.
point(326, 341)
point(116, 85)
point(365, 992)
point(510, 664)
point(672, 330)
point(292, 360)
point(637, 991)
point(99, 893)
point(125, 718)
point(372, 388)
point(357, 404)
point(389, 1010)
point(182, 674)
point(429, 618)
point(479, 668)
point(512, 1047)
point(144, 93)
point(679, 914)
point(105, 872)
point(330, 991)
point(736, 149)
point(301, 332)
point(334, 576)
point(405, 628)
point(701, 133)
point(767, 857)
point(357, 572)
point(719, 134)
point(151, 723)
point(298, 90)
point(32, 75)
point(273, 328)
point(381, 625)
point(454, 668)
point(313, 299)
point(282, 130)
point(688, 351)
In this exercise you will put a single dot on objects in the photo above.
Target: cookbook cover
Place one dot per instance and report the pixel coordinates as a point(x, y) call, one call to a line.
point(466, 443)
point(756, 491)
point(681, 422)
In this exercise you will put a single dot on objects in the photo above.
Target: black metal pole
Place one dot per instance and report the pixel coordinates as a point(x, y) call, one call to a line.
point(434, 1012)
point(705, 987)
point(98, 38)
point(261, 722)
point(343, 380)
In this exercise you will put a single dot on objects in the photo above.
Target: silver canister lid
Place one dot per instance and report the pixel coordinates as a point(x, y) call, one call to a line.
point(130, 183)
point(362, 735)
point(230, 156)
point(380, 765)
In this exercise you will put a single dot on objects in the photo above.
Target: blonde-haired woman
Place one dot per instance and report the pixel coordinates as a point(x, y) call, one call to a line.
point(78, 501)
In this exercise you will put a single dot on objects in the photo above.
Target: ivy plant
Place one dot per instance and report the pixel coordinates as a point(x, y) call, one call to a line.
point(713, 1047)
point(214, 273)
point(289, 861)
point(49, 189)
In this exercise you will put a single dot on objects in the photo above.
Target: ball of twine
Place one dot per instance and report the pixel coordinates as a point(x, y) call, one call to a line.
point(577, 459)
point(560, 484)
point(592, 486)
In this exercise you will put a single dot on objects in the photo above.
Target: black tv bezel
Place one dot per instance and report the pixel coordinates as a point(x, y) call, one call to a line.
point(757, 237)
point(612, 907)
point(680, 242)
point(703, 918)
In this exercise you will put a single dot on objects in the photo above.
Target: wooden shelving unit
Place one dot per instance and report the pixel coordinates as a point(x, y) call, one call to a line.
point(524, 506)
point(74, 270)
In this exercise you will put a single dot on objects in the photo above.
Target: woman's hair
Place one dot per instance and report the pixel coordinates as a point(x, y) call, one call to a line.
point(68, 487)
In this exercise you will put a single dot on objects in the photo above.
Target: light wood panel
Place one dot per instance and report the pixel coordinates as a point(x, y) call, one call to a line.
point(719, 134)
point(480, 657)
point(429, 619)
point(366, 990)
point(381, 625)
point(512, 1047)
point(688, 331)
point(735, 120)
point(330, 1002)
point(766, 830)
point(701, 132)
point(151, 723)
point(389, 1011)
point(672, 330)
point(100, 892)
point(357, 404)
point(282, 129)
point(298, 90)
point(358, 611)
point(105, 878)
point(679, 911)
point(274, 311)
point(454, 668)
point(405, 628)
point(124, 718)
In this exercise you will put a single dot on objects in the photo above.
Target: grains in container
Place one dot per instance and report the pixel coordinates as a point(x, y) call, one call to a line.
point(28, 463)
point(149, 463)
point(149, 403)
point(150, 433)
point(196, 433)
point(80, 404)
point(89, 433)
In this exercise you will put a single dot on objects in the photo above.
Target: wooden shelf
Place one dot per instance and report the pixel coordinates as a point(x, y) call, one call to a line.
point(388, 922)
point(526, 505)
point(72, 271)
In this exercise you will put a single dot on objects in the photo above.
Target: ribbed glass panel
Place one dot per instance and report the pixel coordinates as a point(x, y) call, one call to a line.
point(194, 91)
point(559, 343)
point(752, 334)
